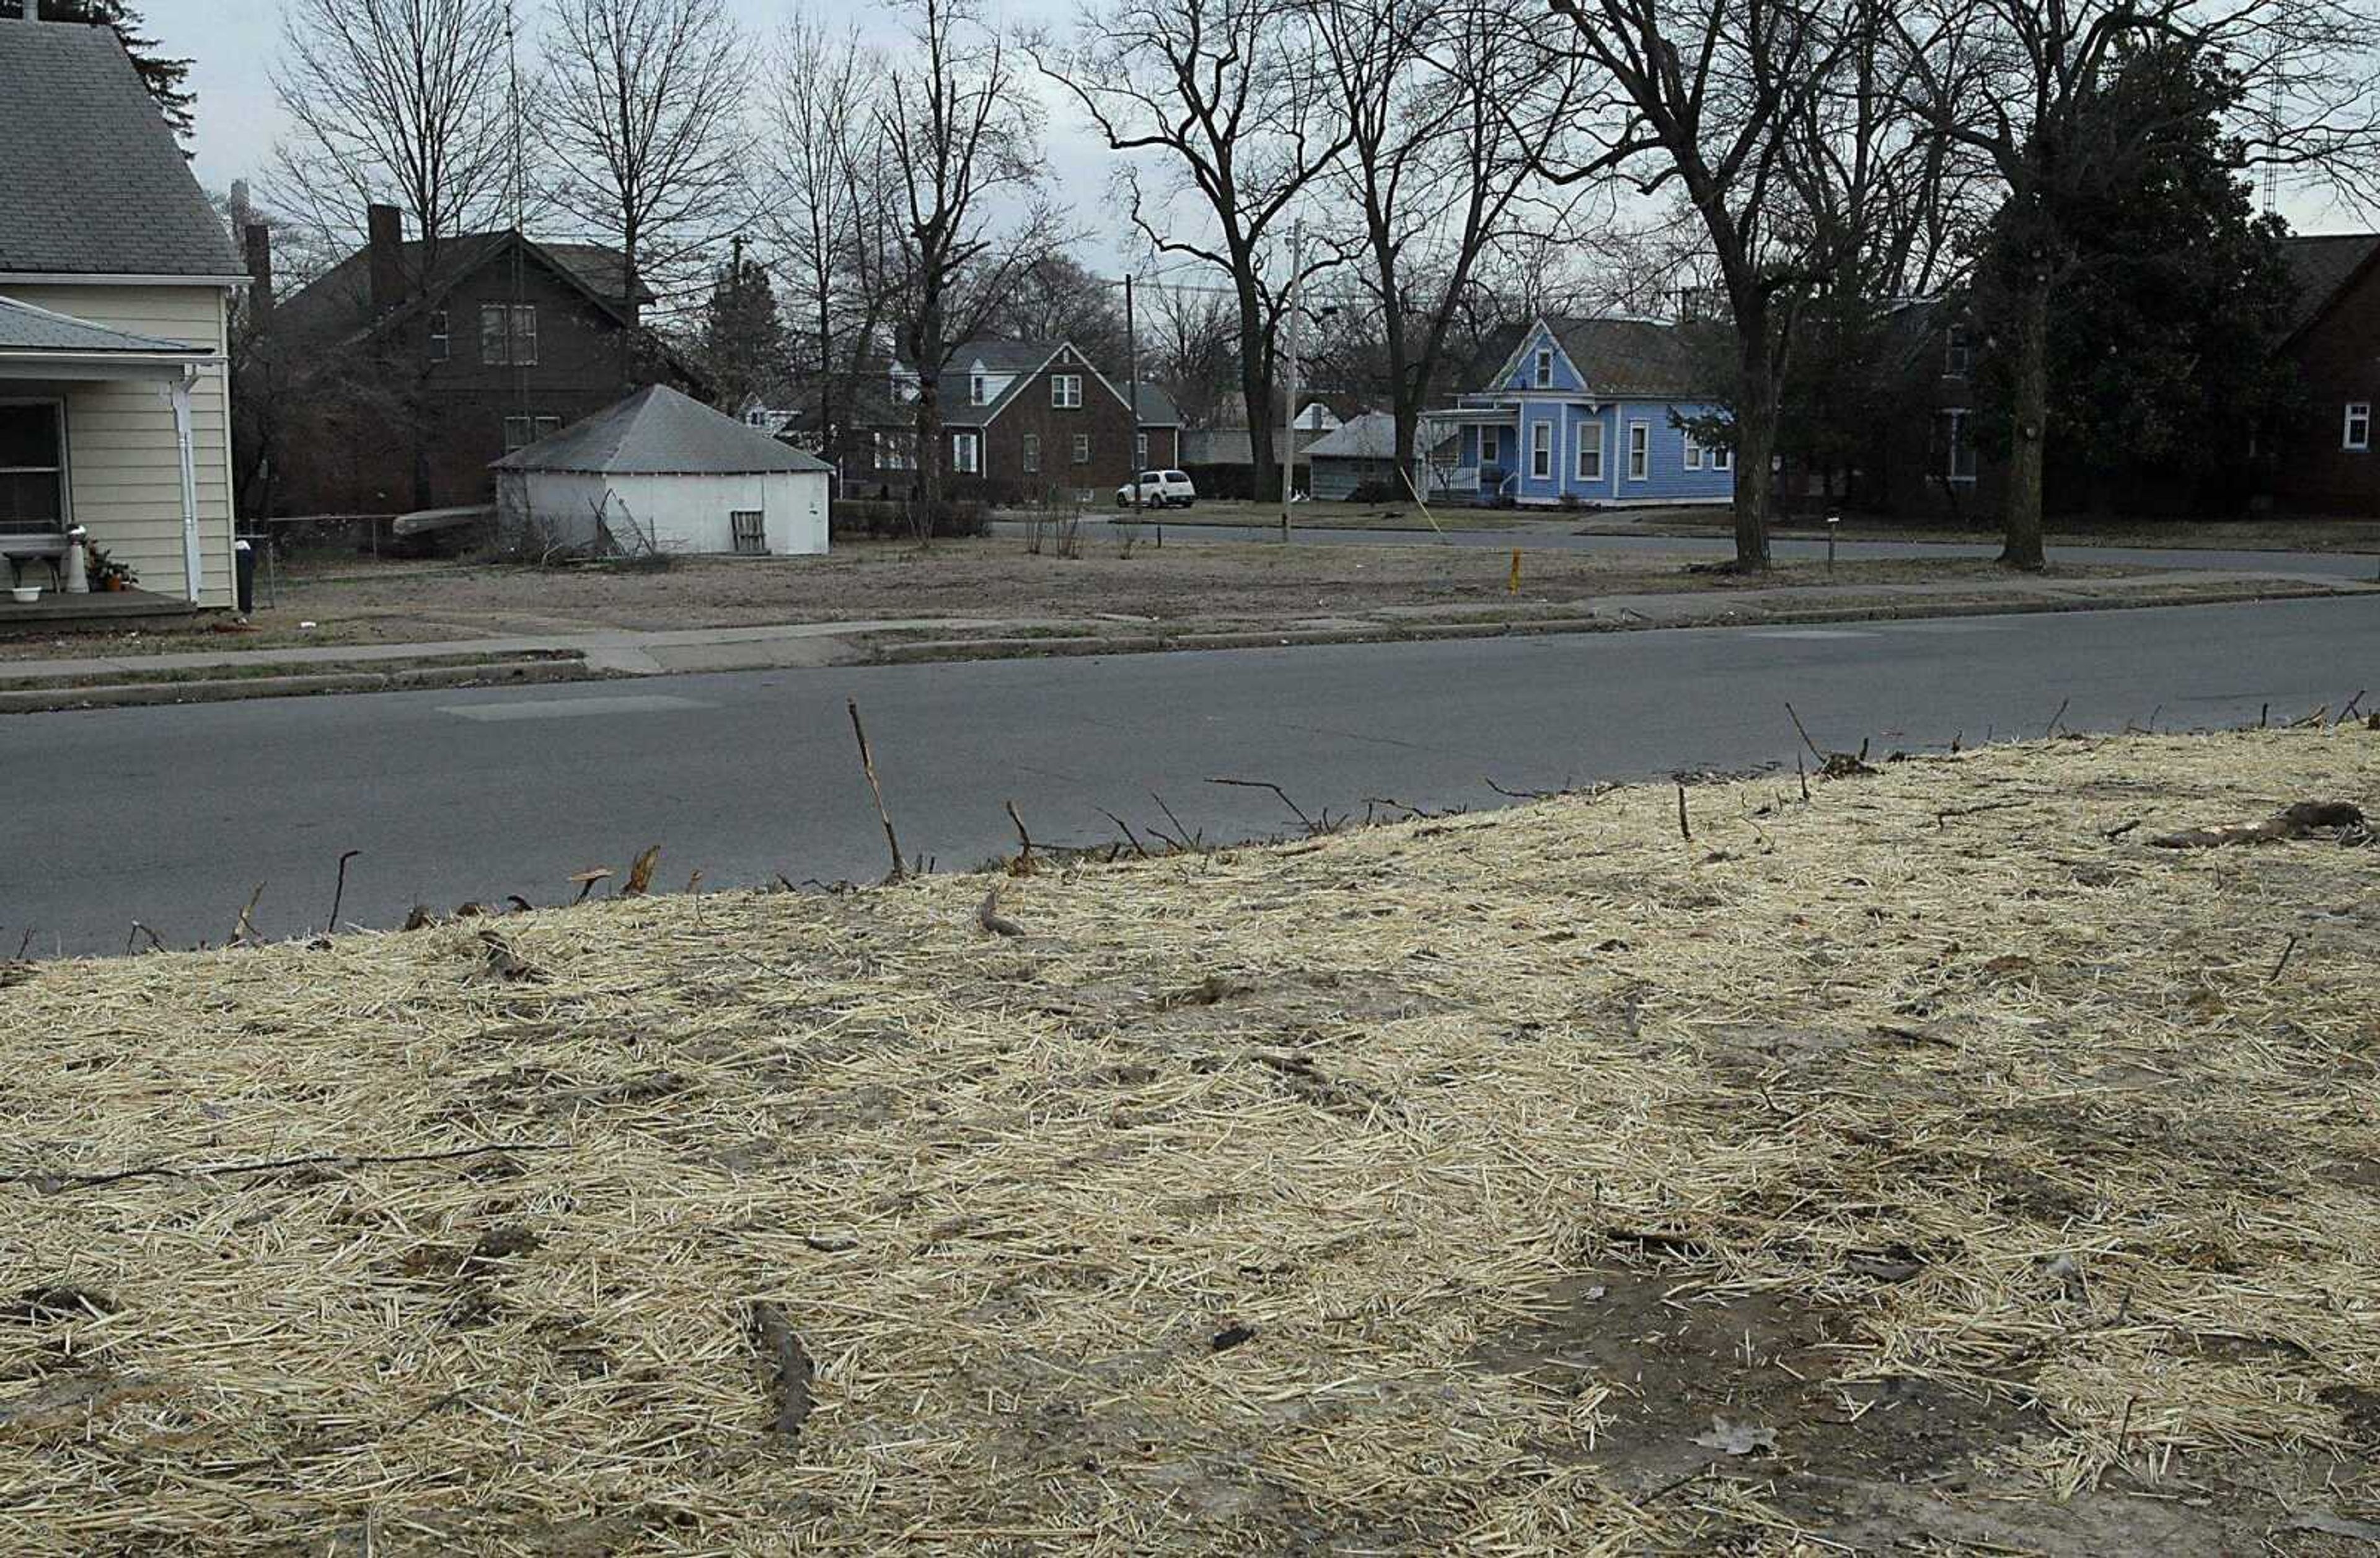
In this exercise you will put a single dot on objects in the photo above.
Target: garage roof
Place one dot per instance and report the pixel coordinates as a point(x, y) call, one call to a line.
point(659, 432)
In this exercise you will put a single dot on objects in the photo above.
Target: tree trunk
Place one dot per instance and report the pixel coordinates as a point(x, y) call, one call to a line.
point(1256, 391)
point(926, 356)
point(2029, 414)
point(1755, 443)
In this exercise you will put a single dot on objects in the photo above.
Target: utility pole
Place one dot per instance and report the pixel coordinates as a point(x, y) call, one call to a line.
point(1132, 390)
point(1289, 395)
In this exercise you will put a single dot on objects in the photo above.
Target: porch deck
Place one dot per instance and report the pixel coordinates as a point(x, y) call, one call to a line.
point(55, 613)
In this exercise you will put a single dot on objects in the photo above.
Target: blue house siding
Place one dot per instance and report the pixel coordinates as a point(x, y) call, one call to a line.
point(1570, 409)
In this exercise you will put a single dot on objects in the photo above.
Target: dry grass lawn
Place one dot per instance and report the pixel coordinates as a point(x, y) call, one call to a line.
point(351, 601)
point(1933, 1165)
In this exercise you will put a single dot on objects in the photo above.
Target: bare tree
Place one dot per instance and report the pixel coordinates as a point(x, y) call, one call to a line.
point(827, 206)
point(1192, 336)
point(1706, 95)
point(639, 112)
point(1449, 116)
point(963, 137)
point(402, 100)
point(1231, 99)
point(2030, 90)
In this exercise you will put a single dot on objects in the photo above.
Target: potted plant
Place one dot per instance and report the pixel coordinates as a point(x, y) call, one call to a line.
point(105, 572)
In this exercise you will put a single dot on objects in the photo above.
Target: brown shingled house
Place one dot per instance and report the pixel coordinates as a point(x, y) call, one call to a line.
point(414, 367)
point(2324, 459)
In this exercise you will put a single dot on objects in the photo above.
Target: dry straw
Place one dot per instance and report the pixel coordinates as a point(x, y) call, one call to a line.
point(1196, 1217)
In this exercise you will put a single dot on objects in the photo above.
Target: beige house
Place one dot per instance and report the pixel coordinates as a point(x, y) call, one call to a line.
point(116, 281)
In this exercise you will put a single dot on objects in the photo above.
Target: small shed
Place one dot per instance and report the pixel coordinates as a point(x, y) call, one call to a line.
point(1357, 456)
point(660, 472)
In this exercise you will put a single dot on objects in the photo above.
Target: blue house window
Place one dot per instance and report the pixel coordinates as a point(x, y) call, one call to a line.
point(1545, 367)
point(1640, 451)
point(1590, 451)
point(1541, 450)
point(1491, 451)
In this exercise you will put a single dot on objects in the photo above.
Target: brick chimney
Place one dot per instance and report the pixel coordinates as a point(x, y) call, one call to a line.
point(385, 228)
point(257, 238)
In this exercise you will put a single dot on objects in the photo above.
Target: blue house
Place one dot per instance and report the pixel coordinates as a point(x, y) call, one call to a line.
point(1585, 411)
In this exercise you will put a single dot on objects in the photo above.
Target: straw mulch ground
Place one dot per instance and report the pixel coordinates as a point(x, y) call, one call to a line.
point(1996, 1185)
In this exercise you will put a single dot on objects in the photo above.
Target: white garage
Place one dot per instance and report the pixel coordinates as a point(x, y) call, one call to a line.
point(660, 472)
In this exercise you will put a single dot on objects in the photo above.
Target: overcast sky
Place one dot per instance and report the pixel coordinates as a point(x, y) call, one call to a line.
point(232, 45)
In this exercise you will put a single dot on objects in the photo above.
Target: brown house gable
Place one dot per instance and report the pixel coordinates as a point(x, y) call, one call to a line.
point(404, 408)
point(2318, 465)
point(1029, 445)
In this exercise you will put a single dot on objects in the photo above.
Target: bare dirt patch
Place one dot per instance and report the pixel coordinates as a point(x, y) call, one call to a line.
point(1215, 585)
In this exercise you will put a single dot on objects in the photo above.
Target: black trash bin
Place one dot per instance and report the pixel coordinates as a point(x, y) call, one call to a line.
point(244, 570)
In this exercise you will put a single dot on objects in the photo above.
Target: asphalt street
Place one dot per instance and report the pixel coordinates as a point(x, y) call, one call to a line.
point(172, 816)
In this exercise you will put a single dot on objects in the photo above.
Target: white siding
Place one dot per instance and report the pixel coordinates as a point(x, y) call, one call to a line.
point(124, 482)
point(686, 514)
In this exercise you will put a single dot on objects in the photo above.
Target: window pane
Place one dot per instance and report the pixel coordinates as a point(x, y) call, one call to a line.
point(525, 333)
point(29, 435)
point(492, 333)
point(29, 499)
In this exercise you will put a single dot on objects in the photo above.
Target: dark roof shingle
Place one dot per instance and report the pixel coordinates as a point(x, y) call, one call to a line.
point(91, 180)
point(2321, 264)
point(657, 431)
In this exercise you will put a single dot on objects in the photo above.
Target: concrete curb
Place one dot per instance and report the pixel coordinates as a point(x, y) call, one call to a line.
point(924, 651)
point(507, 673)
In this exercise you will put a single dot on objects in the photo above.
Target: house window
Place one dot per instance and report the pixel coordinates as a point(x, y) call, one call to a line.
point(441, 340)
point(1032, 451)
point(1065, 391)
point(1541, 450)
point(548, 426)
point(1722, 458)
point(1545, 367)
point(2356, 432)
point(749, 529)
point(1491, 447)
point(32, 465)
point(1960, 447)
point(1958, 352)
point(1140, 448)
point(975, 389)
point(520, 433)
point(1082, 448)
point(514, 348)
point(896, 451)
point(1590, 451)
point(1640, 451)
point(967, 454)
point(1694, 454)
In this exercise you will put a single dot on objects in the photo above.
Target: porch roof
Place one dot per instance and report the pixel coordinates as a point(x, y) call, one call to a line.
point(38, 342)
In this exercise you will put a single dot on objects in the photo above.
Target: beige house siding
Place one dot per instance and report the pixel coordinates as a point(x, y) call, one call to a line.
point(124, 465)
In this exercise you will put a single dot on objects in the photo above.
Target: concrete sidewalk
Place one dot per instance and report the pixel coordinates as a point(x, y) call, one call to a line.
point(181, 676)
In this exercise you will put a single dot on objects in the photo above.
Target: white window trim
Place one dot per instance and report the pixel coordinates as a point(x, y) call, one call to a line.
point(1541, 451)
point(2357, 411)
point(1694, 454)
point(1722, 458)
point(1032, 454)
point(1640, 451)
point(1066, 392)
point(975, 389)
point(971, 463)
point(1954, 420)
point(1082, 449)
point(1585, 448)
point(1544, 376)
point(441, 336)
point(64, 470)
point(1491, 447)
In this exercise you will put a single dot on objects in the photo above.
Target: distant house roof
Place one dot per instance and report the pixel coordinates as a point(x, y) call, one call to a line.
point(1019, 362)
point(337, 304)
point(91, 180)
point(24, 328)
point(1156, 406)
point(1229, 445)
point(659, 432)
point(1630, 356)
point(1372, 436)
point(2321, 265)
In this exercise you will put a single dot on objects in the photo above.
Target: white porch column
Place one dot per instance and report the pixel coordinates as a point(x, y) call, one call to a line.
point(178, 392)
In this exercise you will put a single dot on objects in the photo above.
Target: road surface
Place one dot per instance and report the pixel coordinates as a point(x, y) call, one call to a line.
point(171, 816)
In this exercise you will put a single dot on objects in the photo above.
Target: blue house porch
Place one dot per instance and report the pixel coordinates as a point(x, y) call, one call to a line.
point(1585, 411)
